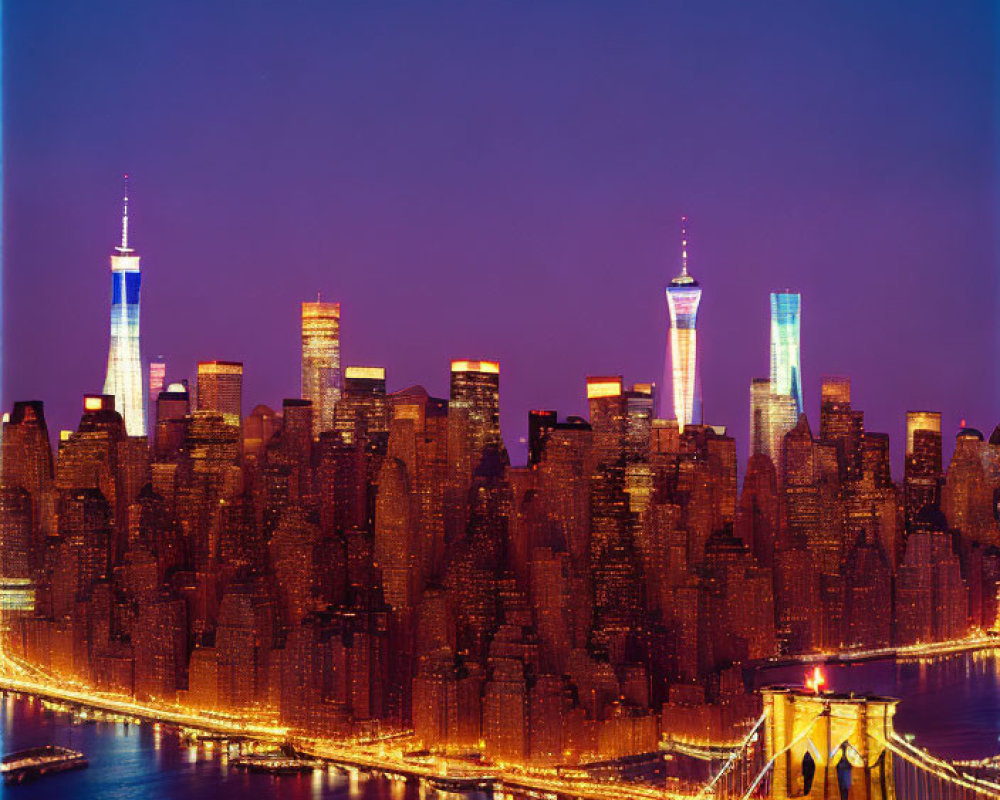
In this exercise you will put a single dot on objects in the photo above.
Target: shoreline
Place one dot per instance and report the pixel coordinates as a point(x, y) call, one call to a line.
point(383, 757)
point(913, 652)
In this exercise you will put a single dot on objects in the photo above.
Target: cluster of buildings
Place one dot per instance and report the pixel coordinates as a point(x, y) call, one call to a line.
point(360, 560)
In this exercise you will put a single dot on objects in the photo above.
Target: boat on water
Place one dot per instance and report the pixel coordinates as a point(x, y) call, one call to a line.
point(276, 762)
point(462, 784)
point(26, 765)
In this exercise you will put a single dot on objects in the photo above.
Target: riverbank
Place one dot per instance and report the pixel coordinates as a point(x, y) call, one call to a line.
point(986, 641)
point(391, 757)
point(385, 758)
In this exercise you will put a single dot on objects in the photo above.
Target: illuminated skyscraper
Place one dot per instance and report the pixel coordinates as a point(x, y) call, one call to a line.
point(786, 364)
point(363, 410)
point(220, 388)
point(475, 389)
point(771, 417)
point(321, 379)
point(841, 425)
point(921, 421)
point(157, 376)
point(124, 377)
point(683, 297)
point(157, 383)
point(923, 465)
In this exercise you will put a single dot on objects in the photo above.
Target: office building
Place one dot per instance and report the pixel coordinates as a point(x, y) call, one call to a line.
point(124, 378)
point(321, 378)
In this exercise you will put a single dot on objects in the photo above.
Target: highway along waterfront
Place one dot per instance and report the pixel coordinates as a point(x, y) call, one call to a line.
point(951, 704)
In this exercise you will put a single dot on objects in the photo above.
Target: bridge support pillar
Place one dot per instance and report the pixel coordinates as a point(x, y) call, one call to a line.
point(828, 746)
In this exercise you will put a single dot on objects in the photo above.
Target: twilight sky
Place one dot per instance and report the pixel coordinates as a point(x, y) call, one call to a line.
point(504, 180)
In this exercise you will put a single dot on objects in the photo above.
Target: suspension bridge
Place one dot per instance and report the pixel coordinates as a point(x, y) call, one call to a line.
point(818, 745)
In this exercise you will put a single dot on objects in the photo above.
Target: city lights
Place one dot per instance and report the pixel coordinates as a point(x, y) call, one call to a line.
point(365, 574)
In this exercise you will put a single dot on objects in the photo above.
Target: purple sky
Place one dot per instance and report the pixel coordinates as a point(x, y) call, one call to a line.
point(504, 181)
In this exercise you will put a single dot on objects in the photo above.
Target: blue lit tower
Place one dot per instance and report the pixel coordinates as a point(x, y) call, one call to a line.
point(680, 372)
point(786, 365)
point(125, 378)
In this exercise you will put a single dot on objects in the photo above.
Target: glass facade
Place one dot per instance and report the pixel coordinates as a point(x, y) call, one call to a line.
point(220, 389)
point(921, 421)
point(771, 417)
point(124, 377)
point(680, 372)
point(475, 387)
point(683, 304)
point(786, 364)
point(321, 377)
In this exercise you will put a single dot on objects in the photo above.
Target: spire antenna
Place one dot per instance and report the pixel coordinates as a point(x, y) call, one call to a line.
point(684, 247)
point(124, 246)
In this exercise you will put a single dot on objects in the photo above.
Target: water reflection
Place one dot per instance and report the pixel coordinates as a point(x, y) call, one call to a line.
point(951, 705)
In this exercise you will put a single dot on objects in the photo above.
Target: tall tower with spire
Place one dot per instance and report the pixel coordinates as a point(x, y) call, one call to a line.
point(680, 371)
point(125, 375)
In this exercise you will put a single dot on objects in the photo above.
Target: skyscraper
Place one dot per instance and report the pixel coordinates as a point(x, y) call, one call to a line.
point(683, 297)
point(157, 383)
point(321, 380)
point(220, 388)
point(786, 364)
point(841, 425)
point(475, 388)
point(771, 417)
point(157, 376)
point(923, 475)
point(363, 410)
point(124, 377)
point(921, 421)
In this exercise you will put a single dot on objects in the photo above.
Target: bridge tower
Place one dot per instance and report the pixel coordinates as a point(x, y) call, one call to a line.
point(828, 746)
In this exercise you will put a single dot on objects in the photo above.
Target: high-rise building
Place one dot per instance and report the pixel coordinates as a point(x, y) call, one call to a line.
point(124, 376)
point(321, 379)
point(220, 389)
point(923, 466)
point(606, 399)
point(786, 363)
point(363, 410)
point(17, 591)
point(475, 388)
point(771, 417)
point(27, 462)
point(172, 409)
point(841, 425)
point(540, 422)
point(683, 297)
point(157, 376)
point(921, 421)
point(639, 402)
point(157, 383)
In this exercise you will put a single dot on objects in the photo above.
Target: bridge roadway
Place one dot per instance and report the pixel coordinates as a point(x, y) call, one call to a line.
point(376, 758)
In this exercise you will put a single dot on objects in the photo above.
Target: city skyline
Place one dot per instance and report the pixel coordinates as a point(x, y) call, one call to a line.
point(568, 226)
point(443, 458)
point(322, 364)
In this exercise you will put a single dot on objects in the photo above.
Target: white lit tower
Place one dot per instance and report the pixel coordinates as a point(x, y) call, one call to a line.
point(125, 374)
point(680, 371)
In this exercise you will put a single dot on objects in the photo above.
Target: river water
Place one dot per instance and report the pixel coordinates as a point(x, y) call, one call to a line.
point(951, 705)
